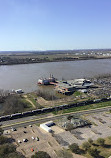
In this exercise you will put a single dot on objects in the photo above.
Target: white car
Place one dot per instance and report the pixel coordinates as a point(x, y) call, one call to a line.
point(19, 141)
point(30, 125)
point(37, 138)
point(13, 129)
point(33, 138)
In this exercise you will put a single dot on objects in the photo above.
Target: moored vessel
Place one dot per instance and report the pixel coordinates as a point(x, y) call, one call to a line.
point(47, 81)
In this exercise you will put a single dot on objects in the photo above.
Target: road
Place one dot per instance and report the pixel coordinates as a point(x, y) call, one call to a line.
point(16, 124)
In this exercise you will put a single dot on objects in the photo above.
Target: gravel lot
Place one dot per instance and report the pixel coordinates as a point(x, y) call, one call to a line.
point(46, 141)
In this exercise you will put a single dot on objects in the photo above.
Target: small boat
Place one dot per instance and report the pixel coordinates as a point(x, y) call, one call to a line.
point(19, 91)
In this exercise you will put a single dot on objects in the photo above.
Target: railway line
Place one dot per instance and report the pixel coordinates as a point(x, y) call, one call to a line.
point(51, 109)
point(45, 119)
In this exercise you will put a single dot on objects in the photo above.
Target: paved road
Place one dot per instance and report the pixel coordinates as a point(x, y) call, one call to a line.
point(45, 119)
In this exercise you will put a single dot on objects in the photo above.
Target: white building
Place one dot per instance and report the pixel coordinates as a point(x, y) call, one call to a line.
point(47, 126)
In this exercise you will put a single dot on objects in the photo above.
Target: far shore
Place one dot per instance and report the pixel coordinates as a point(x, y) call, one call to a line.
point(37, 58)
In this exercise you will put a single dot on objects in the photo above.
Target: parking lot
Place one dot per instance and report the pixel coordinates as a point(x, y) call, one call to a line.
point(29, 134)
point(31, 139)
point(101, 127)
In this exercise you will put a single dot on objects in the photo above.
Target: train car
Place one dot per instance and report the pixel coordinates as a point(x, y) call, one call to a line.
point(109, 98)
point(52, 109)
point(71, 105)
point(5, 118)
point(104, 99)
point(89, 102)
point(45, 110)
point(60, 107)
point(37, 111)
point(16, 115)
point(27, 113)
point(97, 100)
point(65, 106)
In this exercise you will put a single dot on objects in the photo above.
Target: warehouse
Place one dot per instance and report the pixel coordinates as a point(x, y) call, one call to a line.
point(67, 87)
point(47, 126)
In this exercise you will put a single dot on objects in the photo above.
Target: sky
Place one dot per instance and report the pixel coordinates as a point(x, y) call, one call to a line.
point(54, 24)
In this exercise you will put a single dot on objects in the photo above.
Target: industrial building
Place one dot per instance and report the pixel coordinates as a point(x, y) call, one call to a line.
point(72, 122)
point(66, 87)
point(47, 126)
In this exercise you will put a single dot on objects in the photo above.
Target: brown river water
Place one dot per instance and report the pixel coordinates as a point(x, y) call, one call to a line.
point(25, 76)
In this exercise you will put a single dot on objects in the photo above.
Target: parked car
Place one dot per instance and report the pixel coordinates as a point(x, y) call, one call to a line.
point(19, 141)
point(37, 138)
point(13, 129)
point(33, 138)
point(25, 140)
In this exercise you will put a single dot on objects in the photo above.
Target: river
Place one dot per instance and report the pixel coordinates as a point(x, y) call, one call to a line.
point(25, 76)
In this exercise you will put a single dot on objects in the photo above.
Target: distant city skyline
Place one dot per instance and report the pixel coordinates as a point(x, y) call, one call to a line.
point(54, 25)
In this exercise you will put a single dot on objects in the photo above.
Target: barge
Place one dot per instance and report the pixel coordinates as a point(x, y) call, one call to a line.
point(47, 81)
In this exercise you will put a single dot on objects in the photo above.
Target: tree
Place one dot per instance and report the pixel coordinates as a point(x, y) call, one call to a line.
point(101, 141)
point(94, 152)
point(3, 95)
point(74, 148)
point(64, 154)
point(41, 154)
point(1, 131)
point(3, 140)
point(69, 117)
point(15, 155)
point(6, 149)
point(90, 141)
point(69, 127)
point(86, 146)
point(13, 104)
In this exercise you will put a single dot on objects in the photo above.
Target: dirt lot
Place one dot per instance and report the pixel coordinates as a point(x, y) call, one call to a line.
point(46, 141)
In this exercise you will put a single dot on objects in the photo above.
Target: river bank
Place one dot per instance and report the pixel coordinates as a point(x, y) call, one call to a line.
point(44, 58)
point(36, 100)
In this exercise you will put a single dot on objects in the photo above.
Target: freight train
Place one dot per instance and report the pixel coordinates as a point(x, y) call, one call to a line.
point(51, 109)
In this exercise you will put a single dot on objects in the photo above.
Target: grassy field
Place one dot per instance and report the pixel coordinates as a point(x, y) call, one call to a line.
point(30, 98)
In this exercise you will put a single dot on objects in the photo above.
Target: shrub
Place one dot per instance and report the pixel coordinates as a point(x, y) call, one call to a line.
point(6, 149)
point(46, 95)
point(41, 154)
point(3, 140)
point(90, 141)
point(74, 148)
point(1, 131)
point(86, 146)
point(64, 154)
point(94, 152)
point(101, 141)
